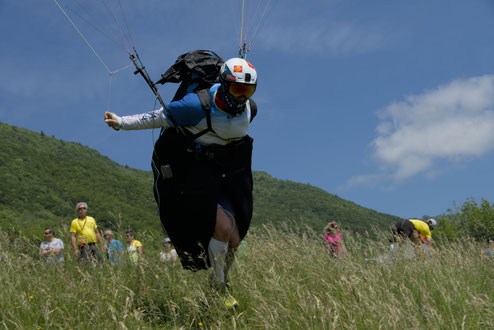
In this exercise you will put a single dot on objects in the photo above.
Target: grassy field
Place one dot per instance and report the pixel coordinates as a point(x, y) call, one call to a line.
point(284, 280)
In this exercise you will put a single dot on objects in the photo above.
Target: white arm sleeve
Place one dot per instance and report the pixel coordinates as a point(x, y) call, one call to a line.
point(152, 119)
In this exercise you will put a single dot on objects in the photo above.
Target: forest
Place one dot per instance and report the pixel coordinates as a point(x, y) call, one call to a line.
point(42, 178)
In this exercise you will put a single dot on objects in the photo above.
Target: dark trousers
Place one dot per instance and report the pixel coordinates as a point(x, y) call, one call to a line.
point(89, 252)
point(403, 229)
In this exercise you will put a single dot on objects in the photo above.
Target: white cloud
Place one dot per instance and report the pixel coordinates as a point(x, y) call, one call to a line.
point(454, 122)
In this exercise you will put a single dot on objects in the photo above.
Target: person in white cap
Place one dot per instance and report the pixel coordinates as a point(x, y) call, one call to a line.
point(169, 253)
point(415, 230)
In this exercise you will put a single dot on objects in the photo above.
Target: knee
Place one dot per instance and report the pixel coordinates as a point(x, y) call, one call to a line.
point(223, 227)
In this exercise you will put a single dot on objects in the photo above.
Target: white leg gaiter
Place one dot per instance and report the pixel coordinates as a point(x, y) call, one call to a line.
point(217, 256)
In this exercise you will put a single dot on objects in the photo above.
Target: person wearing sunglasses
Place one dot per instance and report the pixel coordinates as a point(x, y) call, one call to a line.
point(204, 189)
point(52, 248)
point(135, 247)
point(84, 235)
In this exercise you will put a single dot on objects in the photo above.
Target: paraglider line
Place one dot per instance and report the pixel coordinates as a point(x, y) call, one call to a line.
point(109, 92)
point(82, 36)
point(251, 20)
point(126, 24)
point(242, 26)
point(118, 24)
point(95, 26)
point(259, 24)
point(233, 15)
point(125, 67)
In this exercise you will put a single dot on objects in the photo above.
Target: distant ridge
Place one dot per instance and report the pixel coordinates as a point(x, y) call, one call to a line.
point(42, 178)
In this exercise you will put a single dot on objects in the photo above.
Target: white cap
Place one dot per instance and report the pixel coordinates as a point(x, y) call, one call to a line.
point(432, 222)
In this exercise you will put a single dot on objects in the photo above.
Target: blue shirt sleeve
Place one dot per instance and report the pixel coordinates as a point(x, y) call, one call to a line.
point(187, 111)
point(120, 247)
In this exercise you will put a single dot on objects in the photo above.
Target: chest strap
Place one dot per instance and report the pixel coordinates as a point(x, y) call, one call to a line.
point(205, 99)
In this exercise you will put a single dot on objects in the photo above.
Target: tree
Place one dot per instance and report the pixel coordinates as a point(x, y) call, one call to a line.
point(471, 218)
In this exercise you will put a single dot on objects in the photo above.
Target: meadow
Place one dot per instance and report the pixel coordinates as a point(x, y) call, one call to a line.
point(284, 280)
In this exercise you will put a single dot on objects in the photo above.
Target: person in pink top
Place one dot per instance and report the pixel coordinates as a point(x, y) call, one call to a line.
point(334, 240)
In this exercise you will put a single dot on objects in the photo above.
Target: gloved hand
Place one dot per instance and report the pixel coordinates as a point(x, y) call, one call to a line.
point(112, 120)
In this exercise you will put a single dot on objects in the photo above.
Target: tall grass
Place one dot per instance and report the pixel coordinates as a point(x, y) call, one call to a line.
point(284, 280)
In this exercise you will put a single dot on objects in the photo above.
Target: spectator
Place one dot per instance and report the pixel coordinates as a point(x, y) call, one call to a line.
point(169, 253)
point(414, 229)
point(135, 247)
point(84, 234)
point(52, 248)
point(115, 250)
point(334, 239)
point(490, 248)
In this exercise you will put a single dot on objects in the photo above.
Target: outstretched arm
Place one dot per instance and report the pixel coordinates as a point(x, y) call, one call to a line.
point(152, 119)
point(186, 112)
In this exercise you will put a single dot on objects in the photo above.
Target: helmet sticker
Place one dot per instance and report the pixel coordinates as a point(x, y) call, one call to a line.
point(250, 64)
point(237, 68)
point(230, 77)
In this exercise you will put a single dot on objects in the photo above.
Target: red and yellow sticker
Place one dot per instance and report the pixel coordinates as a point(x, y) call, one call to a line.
point(237, 68)
point(250, 64)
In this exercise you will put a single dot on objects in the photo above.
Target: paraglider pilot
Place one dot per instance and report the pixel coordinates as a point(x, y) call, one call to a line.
point(202, 167)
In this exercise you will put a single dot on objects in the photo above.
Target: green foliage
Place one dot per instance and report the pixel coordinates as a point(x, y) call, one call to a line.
point(471, 218)
point(283, 281)
point(280, 200)
point(42, 178)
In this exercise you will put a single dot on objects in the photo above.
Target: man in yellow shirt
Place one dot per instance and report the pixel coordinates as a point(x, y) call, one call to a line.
point(414, 228)
point(84, 234)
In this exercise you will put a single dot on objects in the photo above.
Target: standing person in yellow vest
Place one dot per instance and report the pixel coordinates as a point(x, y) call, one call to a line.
point(84, 234)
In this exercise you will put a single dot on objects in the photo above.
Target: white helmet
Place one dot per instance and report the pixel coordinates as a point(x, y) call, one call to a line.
point(238, 70)
point(432, 222)
point(239, 78)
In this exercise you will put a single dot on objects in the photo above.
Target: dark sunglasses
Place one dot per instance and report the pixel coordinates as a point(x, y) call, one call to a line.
point(48, 233)
point(81, 208)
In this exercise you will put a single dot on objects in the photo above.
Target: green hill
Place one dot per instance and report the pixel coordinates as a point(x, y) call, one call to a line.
point(42, 178)
point(278, 200)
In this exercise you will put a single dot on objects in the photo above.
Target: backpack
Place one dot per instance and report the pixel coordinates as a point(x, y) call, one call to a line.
point(195, 70)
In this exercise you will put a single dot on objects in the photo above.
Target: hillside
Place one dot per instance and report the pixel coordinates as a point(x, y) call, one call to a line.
point(278, 200)
point(42, 178)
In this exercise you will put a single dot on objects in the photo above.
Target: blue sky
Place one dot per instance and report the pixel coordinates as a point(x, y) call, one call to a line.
point(389, 104)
